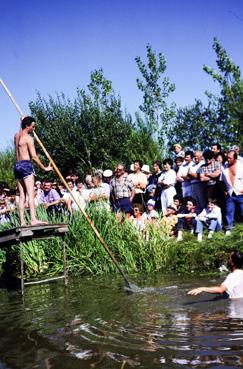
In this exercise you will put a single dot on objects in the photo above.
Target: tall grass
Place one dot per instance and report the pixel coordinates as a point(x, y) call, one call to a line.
point(85, 254)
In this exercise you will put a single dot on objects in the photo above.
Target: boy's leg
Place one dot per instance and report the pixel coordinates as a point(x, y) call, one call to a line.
point(29, 183)
point(22, 199)
point(199, 226)
point(213, 224)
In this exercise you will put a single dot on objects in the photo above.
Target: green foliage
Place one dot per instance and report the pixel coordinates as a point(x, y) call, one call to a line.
point(90, 132)
point(197, 126)
point(156, 90)
point(221, 120)
point(230, 102)
point(7, 160)
point(2, 260)
point(85, 254)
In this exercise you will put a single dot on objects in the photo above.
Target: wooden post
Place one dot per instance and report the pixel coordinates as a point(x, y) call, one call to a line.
point(65, 263)
point(22, 268)
point(21, 235)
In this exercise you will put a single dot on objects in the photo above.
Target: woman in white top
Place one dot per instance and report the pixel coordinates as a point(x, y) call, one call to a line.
point(167, 182)
point(233, 284)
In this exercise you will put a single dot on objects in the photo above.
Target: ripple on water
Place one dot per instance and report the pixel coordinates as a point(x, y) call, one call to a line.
point(103, 327)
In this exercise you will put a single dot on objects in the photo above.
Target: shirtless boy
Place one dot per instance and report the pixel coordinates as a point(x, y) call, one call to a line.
point(24, 171)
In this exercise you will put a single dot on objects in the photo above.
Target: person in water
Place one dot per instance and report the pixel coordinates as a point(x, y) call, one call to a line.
point(24, 171)
point(233, 284)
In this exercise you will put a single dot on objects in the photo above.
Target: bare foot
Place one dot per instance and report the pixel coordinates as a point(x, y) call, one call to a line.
point(23, 225)
point(38, 222)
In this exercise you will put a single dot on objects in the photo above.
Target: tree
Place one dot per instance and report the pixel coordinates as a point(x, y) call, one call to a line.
point(156, 90)
point(92, 131)
point(221, 119)
point(230, 102)
point(7, 160)
point(195, 126)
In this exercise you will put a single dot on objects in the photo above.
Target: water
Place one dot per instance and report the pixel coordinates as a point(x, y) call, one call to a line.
point(94, 323)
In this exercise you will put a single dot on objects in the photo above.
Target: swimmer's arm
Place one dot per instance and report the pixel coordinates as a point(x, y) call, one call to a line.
point(214, 289)
point(34, 156)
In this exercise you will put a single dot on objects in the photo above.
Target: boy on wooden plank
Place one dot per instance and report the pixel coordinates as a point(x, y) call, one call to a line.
point(24, 170)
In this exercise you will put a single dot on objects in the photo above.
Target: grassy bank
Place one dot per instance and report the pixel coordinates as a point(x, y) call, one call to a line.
point(86, 255)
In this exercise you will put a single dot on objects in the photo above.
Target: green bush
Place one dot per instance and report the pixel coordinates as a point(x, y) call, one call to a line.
point(85, 254)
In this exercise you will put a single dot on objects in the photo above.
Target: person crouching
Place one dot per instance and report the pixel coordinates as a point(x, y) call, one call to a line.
point(211, 218)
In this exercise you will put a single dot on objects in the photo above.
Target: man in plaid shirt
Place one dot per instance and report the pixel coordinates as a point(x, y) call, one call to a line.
point(122, 191)
point(209, 173)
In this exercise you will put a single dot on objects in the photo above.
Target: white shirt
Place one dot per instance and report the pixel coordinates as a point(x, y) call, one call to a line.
point(194, 169)
point(234, 284)
point(78, 197)
point(215, 213)
point(237, 186)
point(148, 216)
point(183, 171)
point(168, 177)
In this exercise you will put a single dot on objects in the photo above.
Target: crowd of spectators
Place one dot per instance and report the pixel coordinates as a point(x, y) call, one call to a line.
point(193, 191)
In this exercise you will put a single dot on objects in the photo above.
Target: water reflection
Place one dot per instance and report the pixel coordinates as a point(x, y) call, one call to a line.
point(94, 324)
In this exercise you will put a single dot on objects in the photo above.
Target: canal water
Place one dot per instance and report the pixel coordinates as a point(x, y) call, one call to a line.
point(94, 323)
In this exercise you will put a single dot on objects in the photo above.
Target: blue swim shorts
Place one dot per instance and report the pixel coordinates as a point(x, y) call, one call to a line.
point(23, 169)
point(123, 205)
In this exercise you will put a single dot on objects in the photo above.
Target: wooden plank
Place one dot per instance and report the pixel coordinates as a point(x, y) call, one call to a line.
point(16, 235)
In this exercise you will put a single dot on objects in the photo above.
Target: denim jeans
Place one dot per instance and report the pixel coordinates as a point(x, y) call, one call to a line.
point(183, 224)
point(213, 225)
point(231, 201)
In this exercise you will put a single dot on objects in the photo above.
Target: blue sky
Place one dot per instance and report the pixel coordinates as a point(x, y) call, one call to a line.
point(52, 46)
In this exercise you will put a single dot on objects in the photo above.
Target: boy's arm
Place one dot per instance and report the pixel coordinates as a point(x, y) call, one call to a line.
point(34, 156)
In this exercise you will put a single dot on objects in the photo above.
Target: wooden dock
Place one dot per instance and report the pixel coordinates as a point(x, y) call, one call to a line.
point(20, 235)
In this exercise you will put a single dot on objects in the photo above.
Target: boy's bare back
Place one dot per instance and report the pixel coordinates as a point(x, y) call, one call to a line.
point(24, 146)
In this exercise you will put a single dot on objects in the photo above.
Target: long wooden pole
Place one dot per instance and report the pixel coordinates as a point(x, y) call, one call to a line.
point(95, 230)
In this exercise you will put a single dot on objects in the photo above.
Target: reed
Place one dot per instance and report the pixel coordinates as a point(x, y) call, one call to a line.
point(85, 255)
